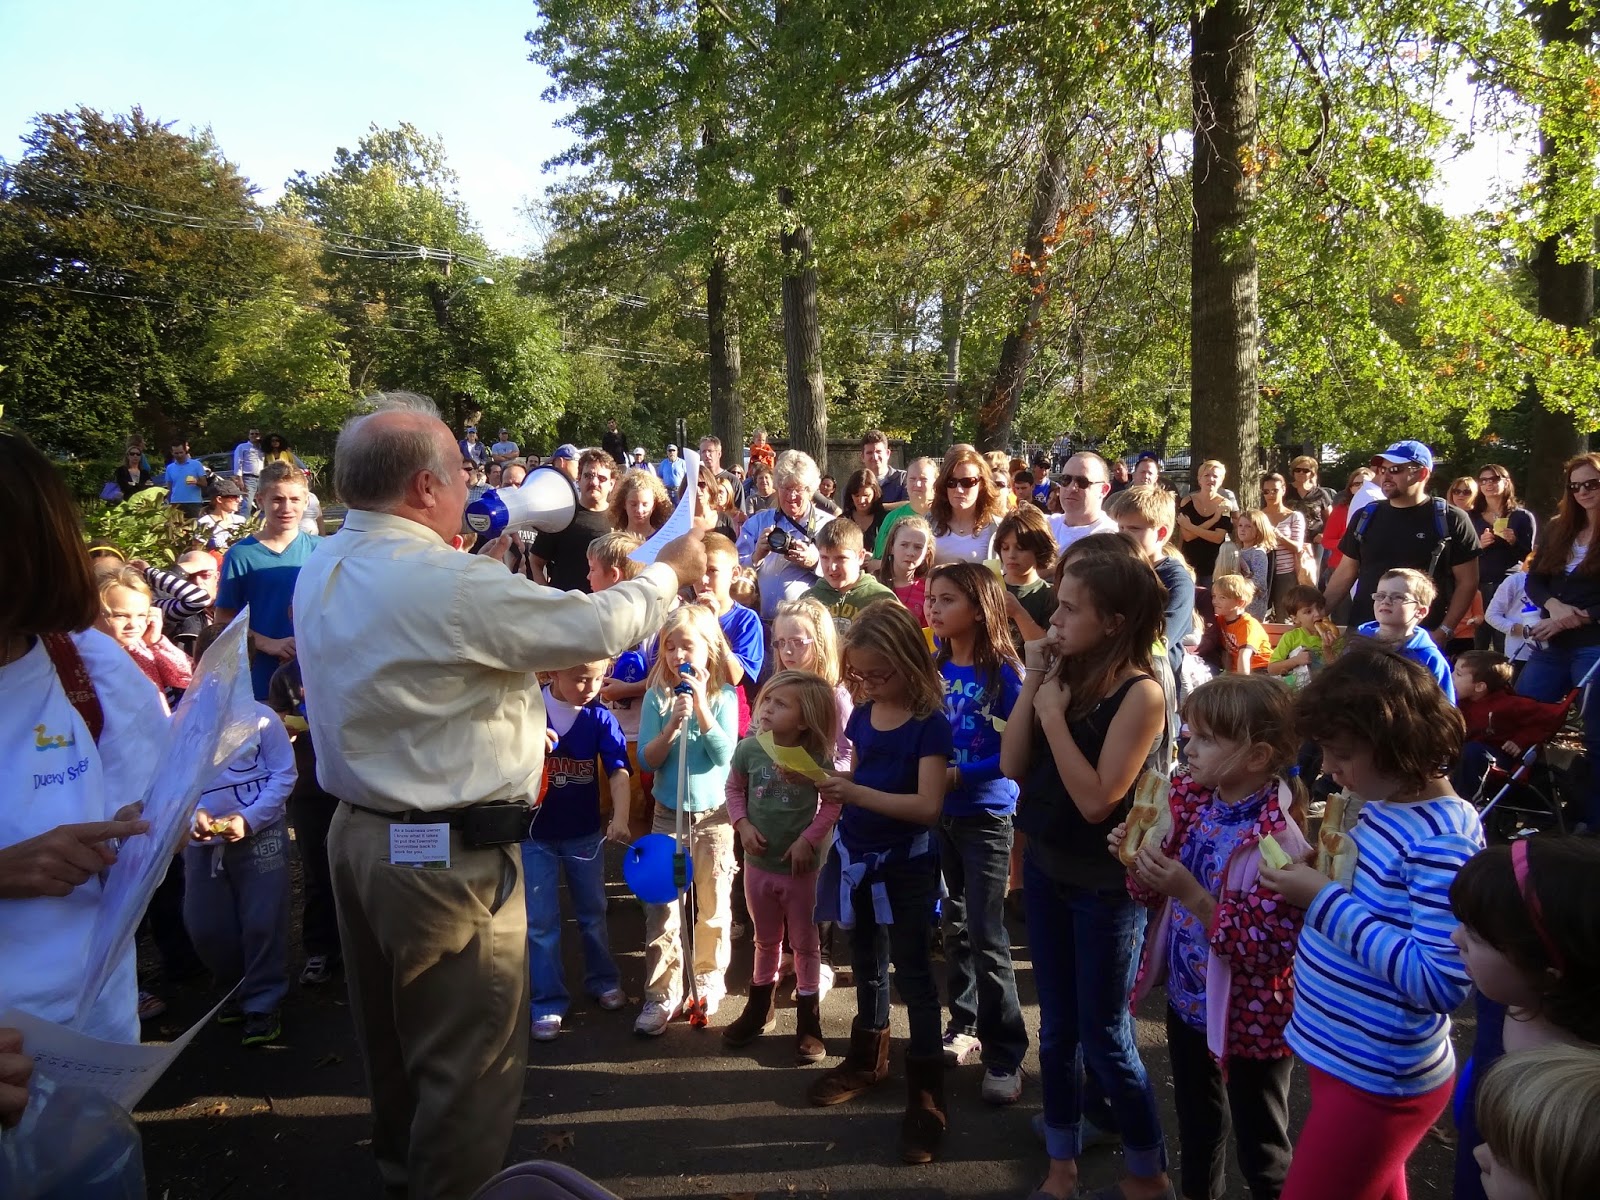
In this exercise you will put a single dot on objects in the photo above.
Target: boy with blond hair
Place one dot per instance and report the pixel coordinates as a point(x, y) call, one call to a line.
point(844, 590)
point(1246, 648)
point(610, 565)
point(1148, 513)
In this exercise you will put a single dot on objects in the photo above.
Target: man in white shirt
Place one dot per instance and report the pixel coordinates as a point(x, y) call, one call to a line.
point(1085, 483)
point(504, 449)
point(419, 669)
point(247, 467)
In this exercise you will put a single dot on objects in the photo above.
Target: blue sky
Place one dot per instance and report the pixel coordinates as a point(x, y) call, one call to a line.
point(284, 84)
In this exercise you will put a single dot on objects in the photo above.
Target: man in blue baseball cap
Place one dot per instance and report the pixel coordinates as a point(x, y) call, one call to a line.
point(1408, 528)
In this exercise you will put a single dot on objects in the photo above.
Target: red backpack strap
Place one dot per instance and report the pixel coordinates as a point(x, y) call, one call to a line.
point(75, 680)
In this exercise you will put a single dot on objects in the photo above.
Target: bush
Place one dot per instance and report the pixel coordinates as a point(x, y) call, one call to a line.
point(142, 526)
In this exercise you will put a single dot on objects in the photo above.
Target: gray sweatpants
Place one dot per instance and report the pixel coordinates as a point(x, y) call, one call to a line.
point(236, 908)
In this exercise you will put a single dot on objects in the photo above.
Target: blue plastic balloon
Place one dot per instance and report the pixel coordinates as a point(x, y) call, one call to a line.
point(647, 866)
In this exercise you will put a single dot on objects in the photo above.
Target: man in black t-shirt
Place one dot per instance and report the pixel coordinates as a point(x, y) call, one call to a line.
point(1408, 528)
point(614, 442)
point(562, 559)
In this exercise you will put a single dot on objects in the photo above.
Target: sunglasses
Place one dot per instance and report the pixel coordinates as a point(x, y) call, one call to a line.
point(1080, 481)
point(963, 481)
point(1485, 480)
point(1583, 485)
point(793, 643)
point(1461, 491)
point(1383, 468)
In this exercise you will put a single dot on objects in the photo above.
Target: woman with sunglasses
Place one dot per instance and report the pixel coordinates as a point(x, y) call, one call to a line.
point(1564, 582)
point(1506, 532)
point(132, 475)
point(966, 509)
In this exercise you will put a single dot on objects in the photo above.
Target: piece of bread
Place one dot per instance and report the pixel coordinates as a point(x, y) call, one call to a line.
point(1336, 849)
point(1149, 818)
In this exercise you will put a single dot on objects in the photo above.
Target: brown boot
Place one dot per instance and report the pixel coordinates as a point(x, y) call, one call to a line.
point(759, 1016)
point(808, 1047)
point(923, 1126)
point(866, 1064)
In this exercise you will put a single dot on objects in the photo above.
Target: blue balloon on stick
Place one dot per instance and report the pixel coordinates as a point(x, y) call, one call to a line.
point(650, 865)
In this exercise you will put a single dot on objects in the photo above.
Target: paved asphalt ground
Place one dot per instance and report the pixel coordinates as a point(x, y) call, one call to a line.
point(673, 1116)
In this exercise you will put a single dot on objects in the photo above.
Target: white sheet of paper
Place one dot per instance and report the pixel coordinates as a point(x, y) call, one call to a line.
point(419, 846)
point(682, 518)
point(116, 1069)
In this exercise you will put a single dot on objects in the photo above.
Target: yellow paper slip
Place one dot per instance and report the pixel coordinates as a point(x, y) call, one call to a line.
point(792, 758)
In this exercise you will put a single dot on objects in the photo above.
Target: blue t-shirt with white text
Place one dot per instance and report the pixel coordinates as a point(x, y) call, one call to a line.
point(571, 804)
point(973, 709)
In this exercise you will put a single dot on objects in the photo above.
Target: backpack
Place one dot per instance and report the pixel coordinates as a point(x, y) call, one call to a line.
point(1441, 529)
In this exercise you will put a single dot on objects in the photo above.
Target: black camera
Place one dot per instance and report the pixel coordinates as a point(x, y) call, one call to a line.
point(777, 540)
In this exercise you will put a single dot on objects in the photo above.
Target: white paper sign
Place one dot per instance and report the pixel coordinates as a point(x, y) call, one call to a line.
point(119, 1070)
point(682, 518)
point(419, 846)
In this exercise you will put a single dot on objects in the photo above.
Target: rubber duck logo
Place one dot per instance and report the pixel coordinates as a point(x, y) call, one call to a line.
point(46, 741)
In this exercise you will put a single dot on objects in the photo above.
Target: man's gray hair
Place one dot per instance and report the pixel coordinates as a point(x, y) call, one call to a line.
point(373, 468)
point(798, 466)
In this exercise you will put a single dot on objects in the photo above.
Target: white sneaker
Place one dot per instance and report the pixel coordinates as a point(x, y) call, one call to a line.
point(824, 982)
point(612, 999)
point(1002, 1087)
point(654, 1018)
point(959, 1048)
point(712, 991)
point(546, 1029)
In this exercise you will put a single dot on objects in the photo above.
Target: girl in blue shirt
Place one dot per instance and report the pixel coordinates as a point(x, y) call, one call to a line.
point(884, 875)
point(699, 727)
point(978, 662)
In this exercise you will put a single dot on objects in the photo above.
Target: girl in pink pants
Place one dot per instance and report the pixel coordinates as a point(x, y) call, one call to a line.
point(785, 827)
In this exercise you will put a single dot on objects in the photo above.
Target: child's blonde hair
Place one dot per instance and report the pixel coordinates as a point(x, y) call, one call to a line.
point(698, 621)
point(841, 533)
point(130, 578)
point(891, 631)
point(1146, 500)
point(1536, 1110)
point(920, 525)
point(818, 709)
point(611, 551)
point(1422, 589)
point(1253, 710)
point(824, 635)
point(1234, 587)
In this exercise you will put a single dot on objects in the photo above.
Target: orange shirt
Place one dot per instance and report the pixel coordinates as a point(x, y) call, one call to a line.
point(761, 452)
point(1244, 630)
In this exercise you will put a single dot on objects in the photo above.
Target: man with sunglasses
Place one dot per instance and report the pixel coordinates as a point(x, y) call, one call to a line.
point(1084, 485)
point(561, 559)
point(1408, 528)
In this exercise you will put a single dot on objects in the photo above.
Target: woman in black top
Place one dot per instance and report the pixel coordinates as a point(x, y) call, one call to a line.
point(133, 476)
point(1506, 533)
point(1205, 519)
point(1078, 738)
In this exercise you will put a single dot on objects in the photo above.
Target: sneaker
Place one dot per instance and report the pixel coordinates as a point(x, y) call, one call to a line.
point(546, 1029)
point(824, 982)
point(151, 1006)
point(230, 1013)
point(1001, 1086)
point(959, 1048)
point(711, 991)
point(612, 999)
point(654, 1018)
point(261, 1028)
point(318, 969)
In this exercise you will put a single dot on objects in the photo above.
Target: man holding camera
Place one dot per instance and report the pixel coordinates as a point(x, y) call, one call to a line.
point(419, 669)
point(780, 542)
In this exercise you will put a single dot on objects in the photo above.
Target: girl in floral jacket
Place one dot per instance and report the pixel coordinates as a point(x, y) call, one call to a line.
point(1221, 940)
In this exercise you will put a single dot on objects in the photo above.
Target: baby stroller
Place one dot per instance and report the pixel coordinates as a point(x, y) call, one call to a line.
point(1532, 795)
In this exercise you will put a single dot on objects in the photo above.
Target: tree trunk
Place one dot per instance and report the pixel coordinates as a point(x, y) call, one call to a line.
point(802, 342)
point(953, 316)
point(1565, 294)
point(1016, 352)
point(727, 405)
point(1224, 405)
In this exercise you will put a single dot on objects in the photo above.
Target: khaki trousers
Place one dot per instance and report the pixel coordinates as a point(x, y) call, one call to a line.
point(437, 967)
point(713, 894)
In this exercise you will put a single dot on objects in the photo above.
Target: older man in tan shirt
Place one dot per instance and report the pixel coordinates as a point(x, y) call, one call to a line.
point(419, 663)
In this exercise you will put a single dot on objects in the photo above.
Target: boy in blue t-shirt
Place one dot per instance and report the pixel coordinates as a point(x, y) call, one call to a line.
point(566, 837)
point(741, 626)
point(1401, 600)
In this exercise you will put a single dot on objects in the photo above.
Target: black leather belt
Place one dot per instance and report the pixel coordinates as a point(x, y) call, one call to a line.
point(456, 818)
point(493, 823)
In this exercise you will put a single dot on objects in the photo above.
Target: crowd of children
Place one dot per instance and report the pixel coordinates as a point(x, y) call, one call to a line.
point(865, 760)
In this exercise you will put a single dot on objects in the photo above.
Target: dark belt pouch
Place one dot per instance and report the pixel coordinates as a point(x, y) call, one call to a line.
point(485, 825)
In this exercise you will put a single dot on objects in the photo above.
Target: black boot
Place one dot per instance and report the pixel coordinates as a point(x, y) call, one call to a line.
point(808, 1045)
point(922, 1128)
point(759, 1016)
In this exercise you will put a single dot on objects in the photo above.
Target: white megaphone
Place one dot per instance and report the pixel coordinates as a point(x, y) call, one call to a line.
point(546, 501)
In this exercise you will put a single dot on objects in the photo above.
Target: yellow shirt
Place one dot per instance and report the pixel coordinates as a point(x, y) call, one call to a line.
point(419, 660)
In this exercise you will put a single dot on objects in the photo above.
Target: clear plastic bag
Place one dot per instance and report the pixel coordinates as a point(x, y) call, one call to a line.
point(73, 1144)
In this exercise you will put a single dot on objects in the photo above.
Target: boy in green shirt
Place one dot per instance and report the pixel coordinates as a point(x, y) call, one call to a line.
point(843, 590)
point(1312, 643)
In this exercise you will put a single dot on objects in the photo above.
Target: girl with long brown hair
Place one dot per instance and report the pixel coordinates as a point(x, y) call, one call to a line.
point(966, 508)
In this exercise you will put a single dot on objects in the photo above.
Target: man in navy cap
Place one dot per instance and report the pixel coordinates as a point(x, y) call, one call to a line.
point(1408, 528)
point(565, 460)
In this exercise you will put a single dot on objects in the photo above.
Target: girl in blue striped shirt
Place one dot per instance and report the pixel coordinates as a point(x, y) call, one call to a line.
point(1377, 971)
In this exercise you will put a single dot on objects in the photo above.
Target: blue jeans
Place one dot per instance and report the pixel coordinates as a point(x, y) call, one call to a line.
point(1085, 946)
point(543, 863)
point(236, 908)
point(1549, 675)
point(908, 942)
point(975, 855)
